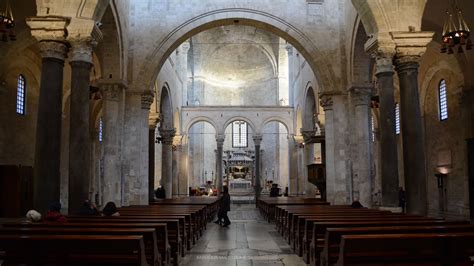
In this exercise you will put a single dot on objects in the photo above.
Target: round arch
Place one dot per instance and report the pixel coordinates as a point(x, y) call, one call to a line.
point(309, 108)
point(150, 69)
point(196, 120)
point(279, 120)
point(239, 118)
point(166, 107)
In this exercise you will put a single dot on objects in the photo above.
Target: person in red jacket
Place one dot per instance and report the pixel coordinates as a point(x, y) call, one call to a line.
point(54, 213)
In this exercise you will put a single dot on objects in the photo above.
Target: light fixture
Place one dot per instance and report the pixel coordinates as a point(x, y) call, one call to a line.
point(7, 23)
point(455, 34)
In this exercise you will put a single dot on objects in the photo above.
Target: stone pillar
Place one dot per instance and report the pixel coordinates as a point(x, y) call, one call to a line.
point(79, 138)
point(167, 160)
point(293, 186)
point(176, 165)
point(410, 47)
point(362, 184)
point(220, 144)
point(139, 191)
point(112, 123)
point(257, 140)
point(51, 33)
point(152, 122)
point(308, 151)
point(183, 166)
point(337, 165)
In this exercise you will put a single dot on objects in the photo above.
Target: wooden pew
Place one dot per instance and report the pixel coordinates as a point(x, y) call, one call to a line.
point(73, 249)
point(332, 239)
point(160, 229)
point(407, 249)
point(149, 236)
point(319, 232)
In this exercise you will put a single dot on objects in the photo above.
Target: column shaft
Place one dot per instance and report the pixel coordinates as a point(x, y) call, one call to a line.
point(48, 130)
point(79, 137)
point(167, 161)
point(257, 140)
point(220, 145)
point(388, 139)
point(413, 149)
point(151, 163)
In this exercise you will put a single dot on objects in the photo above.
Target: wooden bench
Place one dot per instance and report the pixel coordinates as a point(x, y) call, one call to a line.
point(149, 236)
point(407, 249)
point(332, 239)
point(73, 249)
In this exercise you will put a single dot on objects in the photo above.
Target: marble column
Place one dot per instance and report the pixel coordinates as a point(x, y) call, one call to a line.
point(410, 47)
point(220, 144)
point(176, 165)
point(139, 192)
point(79, 138)
point(152, 122)
point(257, 140)
point(48, 130)
point(362, 183)
point(113, 92)
point(388, 138)
point(167, 160)
point(412, 128)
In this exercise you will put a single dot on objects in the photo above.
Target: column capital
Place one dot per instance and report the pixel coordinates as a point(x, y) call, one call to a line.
point(289, 49)
point(257, 139)
point(361, 95)
point(382, 49)
point(411, 43)
point(167, 135)
point(111, 89)
point(53, 49)
point(153, 121)
point(81, 50)
point(51, 33)
point(147, 100)
point(326, 101)
point(185, 46)
point(220, 138)
point(307, 134)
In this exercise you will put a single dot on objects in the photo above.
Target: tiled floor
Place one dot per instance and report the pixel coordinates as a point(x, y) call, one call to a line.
point(249, 240)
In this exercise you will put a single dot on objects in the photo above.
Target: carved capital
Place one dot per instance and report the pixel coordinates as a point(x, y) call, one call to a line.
point(185, 47)
point(147, 100)
point(153, 122)
point(220, 138)
point(167, 135)
point(361, 95)
point(111, 90)
point(307, 134)
point(382, 48)
point(53, 49)
point(326, 102)
point(257, 139)
point(411, 43)
point(81, 50)
point(289, 49)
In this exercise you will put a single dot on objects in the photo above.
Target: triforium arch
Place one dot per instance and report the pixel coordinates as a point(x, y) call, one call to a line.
point(230, 16)
point(201, 119)
point(166, 108)
point(310, 109)
point(255, 128)
point(285, 123)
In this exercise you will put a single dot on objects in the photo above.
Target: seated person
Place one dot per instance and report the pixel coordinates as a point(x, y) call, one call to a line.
point(54, 213)
point(88, 208)
point(33, 216)
point(110, 209)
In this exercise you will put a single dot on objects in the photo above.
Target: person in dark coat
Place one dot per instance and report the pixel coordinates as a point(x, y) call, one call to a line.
point(88, 209)
point(224, 207)
point(401, 199)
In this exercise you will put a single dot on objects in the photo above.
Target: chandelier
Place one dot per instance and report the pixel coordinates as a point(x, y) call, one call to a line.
point(7, 23)
point(455, 34)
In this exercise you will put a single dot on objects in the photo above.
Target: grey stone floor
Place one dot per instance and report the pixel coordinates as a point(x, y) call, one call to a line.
point(249, 240)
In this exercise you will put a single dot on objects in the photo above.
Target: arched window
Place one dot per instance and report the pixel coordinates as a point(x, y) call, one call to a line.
point(443, 100)
point(397, 118)
point(239, 134)
point(101, 130)
point(21, 95)
point(372, 127)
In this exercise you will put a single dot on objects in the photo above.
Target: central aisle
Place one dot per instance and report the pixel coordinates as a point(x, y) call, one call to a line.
point(249, 240)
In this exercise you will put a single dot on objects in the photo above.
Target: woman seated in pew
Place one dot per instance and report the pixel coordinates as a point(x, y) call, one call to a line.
point(88, 208)
point(54, 213)
point(110, 209)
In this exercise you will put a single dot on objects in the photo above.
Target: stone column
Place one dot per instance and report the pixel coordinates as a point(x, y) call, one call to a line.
point(337, 165)
point(362, 185)
point(410, 47)
point(167, 160)
point(257, 140)
point(79, 138)
point(152, 122)
point(113, 92)
point(176, 165)
point(53, 51)
point(139, 192)
point(220, 144)
point(293, 186)
point(308, 151)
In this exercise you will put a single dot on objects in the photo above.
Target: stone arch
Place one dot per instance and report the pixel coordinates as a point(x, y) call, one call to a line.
point(310, 109)
point(110, 49)
point(149, 71)
point(196, 120)
point(166, 107)
point(279, 120)
point(255, 129)
point(361, 63)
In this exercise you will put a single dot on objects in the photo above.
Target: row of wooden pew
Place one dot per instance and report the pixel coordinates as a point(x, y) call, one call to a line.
point(341, 235)
point(159, 234)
